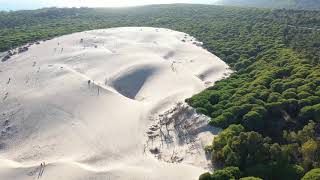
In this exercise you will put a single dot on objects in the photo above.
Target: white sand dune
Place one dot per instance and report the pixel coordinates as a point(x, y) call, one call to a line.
point(50, 113)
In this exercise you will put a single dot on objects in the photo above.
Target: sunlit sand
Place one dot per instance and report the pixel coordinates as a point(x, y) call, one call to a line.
point(82, 105)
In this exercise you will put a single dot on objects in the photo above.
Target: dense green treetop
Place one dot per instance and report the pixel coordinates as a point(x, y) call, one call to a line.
point(314, 174)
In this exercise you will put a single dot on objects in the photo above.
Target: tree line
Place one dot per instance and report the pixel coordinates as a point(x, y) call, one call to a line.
point(269, 107)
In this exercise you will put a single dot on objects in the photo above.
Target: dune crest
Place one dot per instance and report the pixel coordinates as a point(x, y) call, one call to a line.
point(80, 106)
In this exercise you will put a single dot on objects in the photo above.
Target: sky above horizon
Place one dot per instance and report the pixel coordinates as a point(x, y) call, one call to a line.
point(35, 4)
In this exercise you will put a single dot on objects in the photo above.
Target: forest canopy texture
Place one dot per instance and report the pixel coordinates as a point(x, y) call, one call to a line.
point(269, 107)
point(287, 4)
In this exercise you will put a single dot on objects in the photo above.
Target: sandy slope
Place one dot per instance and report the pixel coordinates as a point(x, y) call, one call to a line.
point(50, 113)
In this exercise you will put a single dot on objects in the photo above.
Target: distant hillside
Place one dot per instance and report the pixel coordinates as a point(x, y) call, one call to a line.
point(288, 4)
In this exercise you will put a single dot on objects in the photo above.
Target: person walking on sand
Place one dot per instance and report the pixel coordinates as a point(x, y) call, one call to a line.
point(41, 167)
point(172, 67)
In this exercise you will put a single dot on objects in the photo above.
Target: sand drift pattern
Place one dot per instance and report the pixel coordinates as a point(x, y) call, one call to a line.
point(80, 106)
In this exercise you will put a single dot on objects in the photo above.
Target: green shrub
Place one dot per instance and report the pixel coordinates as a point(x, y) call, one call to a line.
point(226, 174)
point(205, 176)
point(250, 178)
point(314, 174)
